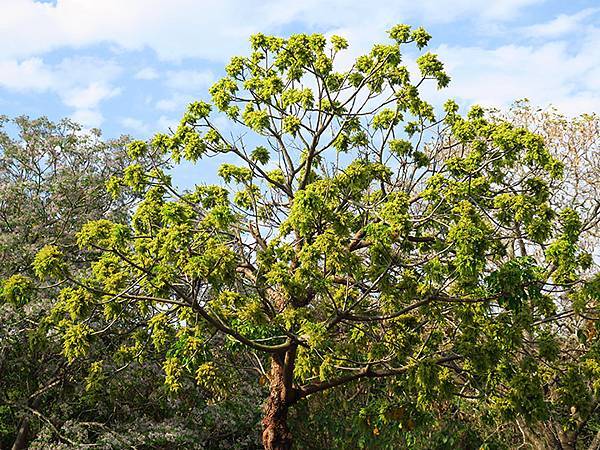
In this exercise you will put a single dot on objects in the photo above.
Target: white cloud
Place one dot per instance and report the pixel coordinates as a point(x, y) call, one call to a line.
point(70, 73)
point(81, 83)
point(168, 104)
point(562, 72)
point(88, 97)
point(30, 74)
point(503, 10)
point(34, 74)
point(184, 87)
point(85, 69)
point(136, 125)
point(88, 118)
point(446, 11)
point(211, 29)
point(553, 73)
point(562, 24)
point(165, 124)
point(189, 80)
point(147, 73)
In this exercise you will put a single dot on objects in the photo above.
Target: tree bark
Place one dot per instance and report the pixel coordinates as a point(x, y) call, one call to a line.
point(22, 439)
point(276, 434)
point(595, 445)
point(568, 440)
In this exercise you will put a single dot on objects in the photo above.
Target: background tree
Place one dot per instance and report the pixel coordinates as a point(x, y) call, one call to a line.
point(561, 348)
point(52, 181)
point(566, 352)
point(338, 249)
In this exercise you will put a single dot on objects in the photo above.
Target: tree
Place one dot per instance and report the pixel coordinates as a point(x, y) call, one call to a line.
point(339, 247)
point(566, 354)
point(566, 419)
point(52, 181)
point(575, 142)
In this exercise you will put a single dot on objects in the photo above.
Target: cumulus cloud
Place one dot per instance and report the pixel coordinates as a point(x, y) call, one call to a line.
point(553, 73)
point(561, 25)
point(165, 123)
point(173, 103)
point(210, 29)
point(133, 124)
point(30, 74)
point(189, 80)
point(183, 87)
point(81, 83)
point(88, 118)
point(541, 61)
point(88, 97)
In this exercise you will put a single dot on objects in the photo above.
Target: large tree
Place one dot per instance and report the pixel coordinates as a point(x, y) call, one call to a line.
point(353, 236)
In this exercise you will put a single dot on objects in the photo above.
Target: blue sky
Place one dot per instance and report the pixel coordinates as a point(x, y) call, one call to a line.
point(131, 66)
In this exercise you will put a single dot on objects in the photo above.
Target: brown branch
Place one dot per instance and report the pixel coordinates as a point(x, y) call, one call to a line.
point(365, 372)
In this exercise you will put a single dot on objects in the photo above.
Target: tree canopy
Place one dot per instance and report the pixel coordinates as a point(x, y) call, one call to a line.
point(355, 236)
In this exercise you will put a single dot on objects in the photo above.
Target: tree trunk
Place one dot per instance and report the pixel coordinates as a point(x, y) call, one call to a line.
point(22, 438)
point(568, 440)
point(276, 434)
